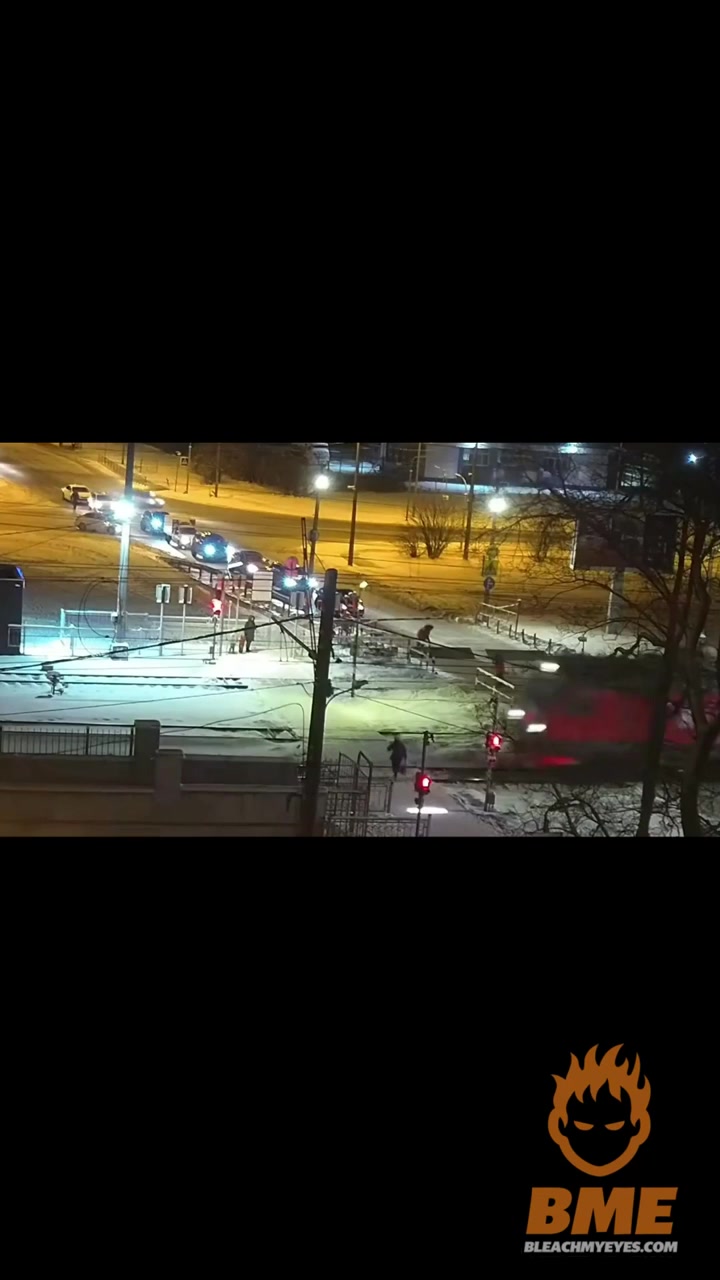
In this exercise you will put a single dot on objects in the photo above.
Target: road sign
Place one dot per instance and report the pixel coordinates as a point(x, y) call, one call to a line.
point(185, 595)
point(162, 593)
point(184, 461)
point(489, 584)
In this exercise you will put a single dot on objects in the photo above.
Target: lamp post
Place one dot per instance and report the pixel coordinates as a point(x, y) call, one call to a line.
point(496, 505)
point(124, 511)
point(217, 470)
point(189, 464)
point(417, 475)
point(470, 505)
point(356, 647)
point(353, 518)
point(321, 484)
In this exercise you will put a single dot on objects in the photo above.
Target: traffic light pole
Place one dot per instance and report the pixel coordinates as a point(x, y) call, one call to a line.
point(491, 758)
point(316, 735)
point(421, 797)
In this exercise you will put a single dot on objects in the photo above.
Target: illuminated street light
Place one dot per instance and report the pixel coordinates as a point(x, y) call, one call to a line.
point(497, 504)
point(322, 482)
point(692, 457)
point(123, 510)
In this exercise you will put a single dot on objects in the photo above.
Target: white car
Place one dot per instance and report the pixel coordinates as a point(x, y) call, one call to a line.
point(96, 522)
point(102, 501)
point(82, 491)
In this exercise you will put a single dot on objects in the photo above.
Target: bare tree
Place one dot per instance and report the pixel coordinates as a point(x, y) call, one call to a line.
point(658, 537)
point(409, 540)
point(438, 524)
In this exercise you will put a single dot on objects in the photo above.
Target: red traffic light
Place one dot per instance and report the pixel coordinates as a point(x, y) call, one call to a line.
point(422, 783)
point(493, 741)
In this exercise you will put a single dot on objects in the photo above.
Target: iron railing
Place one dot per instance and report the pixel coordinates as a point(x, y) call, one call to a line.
point(18, 738)
point(360, 826)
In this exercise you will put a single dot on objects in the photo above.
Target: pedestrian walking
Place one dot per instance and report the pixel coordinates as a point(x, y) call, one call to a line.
point(398, 756)
point(249, 630)
point(74, 500)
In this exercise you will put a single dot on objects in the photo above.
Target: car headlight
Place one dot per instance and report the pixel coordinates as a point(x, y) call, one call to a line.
point(252, 568)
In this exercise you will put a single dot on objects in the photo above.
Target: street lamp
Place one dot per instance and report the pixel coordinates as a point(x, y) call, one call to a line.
point(189, 464)
point(353, 518)
point(322, 482)
point(496, 505)
point(470, 505)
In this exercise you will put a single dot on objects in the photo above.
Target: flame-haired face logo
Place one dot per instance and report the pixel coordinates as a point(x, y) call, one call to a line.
point(599, 1116)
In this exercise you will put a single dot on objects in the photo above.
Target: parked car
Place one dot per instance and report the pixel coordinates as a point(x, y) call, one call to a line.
point(210, 547)
point(244, 562)
point(181, 534)
point(82, 491)
point(154, 522)
point(96, 522)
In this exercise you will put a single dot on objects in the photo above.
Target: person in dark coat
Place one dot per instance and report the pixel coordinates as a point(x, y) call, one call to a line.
point(74, 500)
point(249, 629)
point(398, 756)
point(424, 632)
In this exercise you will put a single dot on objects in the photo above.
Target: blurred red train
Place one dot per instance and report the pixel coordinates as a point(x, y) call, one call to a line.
point(595, 706)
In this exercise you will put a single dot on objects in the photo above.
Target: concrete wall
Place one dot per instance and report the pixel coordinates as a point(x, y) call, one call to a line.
point(87, 800)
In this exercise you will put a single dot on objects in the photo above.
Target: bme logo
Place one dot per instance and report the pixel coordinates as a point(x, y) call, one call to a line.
point(599, 1120)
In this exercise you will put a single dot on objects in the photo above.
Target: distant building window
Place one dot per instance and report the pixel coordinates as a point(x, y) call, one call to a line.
point(482, 457)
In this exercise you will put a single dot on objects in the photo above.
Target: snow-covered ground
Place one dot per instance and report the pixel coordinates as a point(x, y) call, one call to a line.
point(605, 812)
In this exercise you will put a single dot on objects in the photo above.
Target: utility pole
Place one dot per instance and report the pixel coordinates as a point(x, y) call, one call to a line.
point(314, 533)
point(471, 503)
point(617, 586)
point(353, 518)
point(217, 470)
point(421, 798)
point(316, 736)
point(122, 595)
point(189, 464)
point(223, 586)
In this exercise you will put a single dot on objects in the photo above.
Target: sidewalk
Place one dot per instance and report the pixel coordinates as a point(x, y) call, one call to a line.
point(451, 820)
point(540, 635)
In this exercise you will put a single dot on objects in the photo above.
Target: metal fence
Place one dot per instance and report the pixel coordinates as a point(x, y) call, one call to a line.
point(22, 738)
point(357, 802)
point(359, 826)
